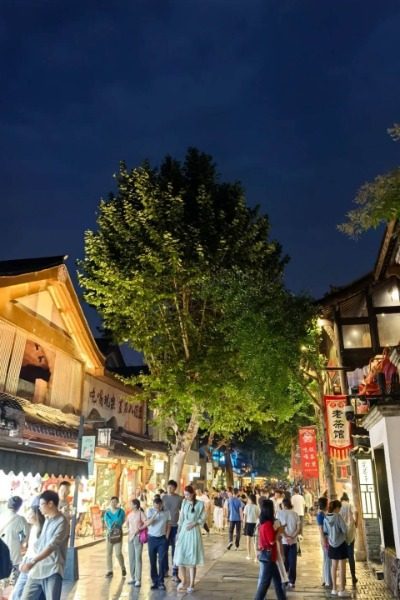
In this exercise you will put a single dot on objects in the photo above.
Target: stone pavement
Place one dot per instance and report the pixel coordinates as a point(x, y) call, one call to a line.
point(226, 575)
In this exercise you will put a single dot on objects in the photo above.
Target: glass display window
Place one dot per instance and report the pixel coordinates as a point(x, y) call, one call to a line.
point(389, 329)
point(356, 336)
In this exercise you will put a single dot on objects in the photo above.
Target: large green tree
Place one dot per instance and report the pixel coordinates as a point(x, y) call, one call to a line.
point(184, 271)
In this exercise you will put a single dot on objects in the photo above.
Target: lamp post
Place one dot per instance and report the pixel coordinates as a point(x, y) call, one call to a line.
point(71, 564)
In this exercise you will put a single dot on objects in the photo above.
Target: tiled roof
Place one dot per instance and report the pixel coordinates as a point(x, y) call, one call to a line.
point(44, 415)
point(29, 265)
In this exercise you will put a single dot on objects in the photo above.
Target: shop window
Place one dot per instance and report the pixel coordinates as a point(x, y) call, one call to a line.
point(387, 295)
point(389, 329)
point(354, 307)
point(356, 336)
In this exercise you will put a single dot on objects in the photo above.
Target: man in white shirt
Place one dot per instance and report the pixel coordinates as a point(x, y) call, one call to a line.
point(298, 504)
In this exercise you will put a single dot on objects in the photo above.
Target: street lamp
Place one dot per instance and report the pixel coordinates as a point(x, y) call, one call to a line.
point(104, 436)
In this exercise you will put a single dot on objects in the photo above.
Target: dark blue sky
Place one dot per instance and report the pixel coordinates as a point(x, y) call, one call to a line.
point(292, 97)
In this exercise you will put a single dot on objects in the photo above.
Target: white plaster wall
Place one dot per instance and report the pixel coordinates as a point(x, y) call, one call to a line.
point(386, 433)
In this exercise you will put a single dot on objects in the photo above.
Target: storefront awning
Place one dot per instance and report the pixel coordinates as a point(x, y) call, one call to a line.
point(19, 460)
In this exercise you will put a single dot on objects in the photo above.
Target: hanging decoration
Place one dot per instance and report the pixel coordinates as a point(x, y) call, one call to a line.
point(338, 427)
point(308, 452)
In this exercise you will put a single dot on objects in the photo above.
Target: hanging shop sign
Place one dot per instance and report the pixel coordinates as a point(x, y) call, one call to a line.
point(88, 446)
point(308, 452)
point(337, 426)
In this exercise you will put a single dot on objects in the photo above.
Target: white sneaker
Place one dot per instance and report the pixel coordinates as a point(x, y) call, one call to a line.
point(334, 592)
point(137, 584)
point(344, 594)
point(248, 557)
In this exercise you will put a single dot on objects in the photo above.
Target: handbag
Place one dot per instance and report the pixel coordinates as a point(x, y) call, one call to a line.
point(143, 535)
point(264, 555)
point(115, 534)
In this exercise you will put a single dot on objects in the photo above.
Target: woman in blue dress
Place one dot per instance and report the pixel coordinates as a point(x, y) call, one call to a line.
point(189, 550)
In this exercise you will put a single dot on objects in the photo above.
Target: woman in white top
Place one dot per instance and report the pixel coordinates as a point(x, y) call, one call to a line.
point(35, 520)
point(135, 521)
point(250, 515)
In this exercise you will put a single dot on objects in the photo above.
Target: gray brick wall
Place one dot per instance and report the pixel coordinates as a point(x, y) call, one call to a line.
point(373, 540)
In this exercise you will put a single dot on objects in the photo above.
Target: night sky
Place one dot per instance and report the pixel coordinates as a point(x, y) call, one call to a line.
point(293, 98)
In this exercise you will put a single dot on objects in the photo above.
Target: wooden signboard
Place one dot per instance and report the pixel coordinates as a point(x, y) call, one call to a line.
point(97, 522)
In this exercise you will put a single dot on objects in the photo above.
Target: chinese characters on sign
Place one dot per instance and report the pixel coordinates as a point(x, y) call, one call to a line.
point(121, 406)
point(338, 426)
point(308, 452)
point(110, 402)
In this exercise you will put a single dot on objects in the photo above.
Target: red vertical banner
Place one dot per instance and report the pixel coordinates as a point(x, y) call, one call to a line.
point(296, 463)
point(308, 452)
point(338, 427)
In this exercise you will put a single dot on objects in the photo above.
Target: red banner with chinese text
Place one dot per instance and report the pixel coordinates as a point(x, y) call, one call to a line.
point(308, 452)
point(338, 427)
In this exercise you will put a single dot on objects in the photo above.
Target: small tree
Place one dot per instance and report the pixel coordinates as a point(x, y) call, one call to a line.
point(171, 251)
point(378, 201)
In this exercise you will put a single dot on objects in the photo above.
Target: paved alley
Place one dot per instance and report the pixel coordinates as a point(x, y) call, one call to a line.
point(226, 575)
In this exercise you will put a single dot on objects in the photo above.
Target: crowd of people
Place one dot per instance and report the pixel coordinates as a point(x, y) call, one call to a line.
point(173, 527)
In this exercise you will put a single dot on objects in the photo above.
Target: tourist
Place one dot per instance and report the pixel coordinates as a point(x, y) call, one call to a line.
point(14, 531)
point(158, 522)
point(290, 521)
point(64, 493)
point(36, 522)
point(114, 518)
point(298, 504)
point(172, 502)
point(46, 569)
point(326, 561)
point(308, 505)
point(135, 522)
point(350, 518)
point(267, 554)
point(336, 530)
point(234, 510)
point(218, 512)
point(189, 552)
point(251, 513)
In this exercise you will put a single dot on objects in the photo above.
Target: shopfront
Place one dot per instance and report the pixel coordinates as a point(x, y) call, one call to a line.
point(28, 473)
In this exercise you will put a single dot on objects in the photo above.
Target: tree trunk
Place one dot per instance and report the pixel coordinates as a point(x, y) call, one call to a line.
point(228, 468)
point(182, 445)
point(177, 463)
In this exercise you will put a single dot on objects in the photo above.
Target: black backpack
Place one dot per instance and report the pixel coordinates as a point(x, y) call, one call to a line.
point(5, 561)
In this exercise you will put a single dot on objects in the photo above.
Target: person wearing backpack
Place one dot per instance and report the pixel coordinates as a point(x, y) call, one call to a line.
point(350, 518)
point(336, 530)
point(114, 518)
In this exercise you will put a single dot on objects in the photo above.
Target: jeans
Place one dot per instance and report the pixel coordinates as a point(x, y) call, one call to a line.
point(232, 525)
point(326, 567)
point(135, 549)
point(352, 563)
point(158, 546)
point(20, 585)
point(171, 544)
point(269, 571)
point(117, 549)
point(49, 586)
point(290, 552)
